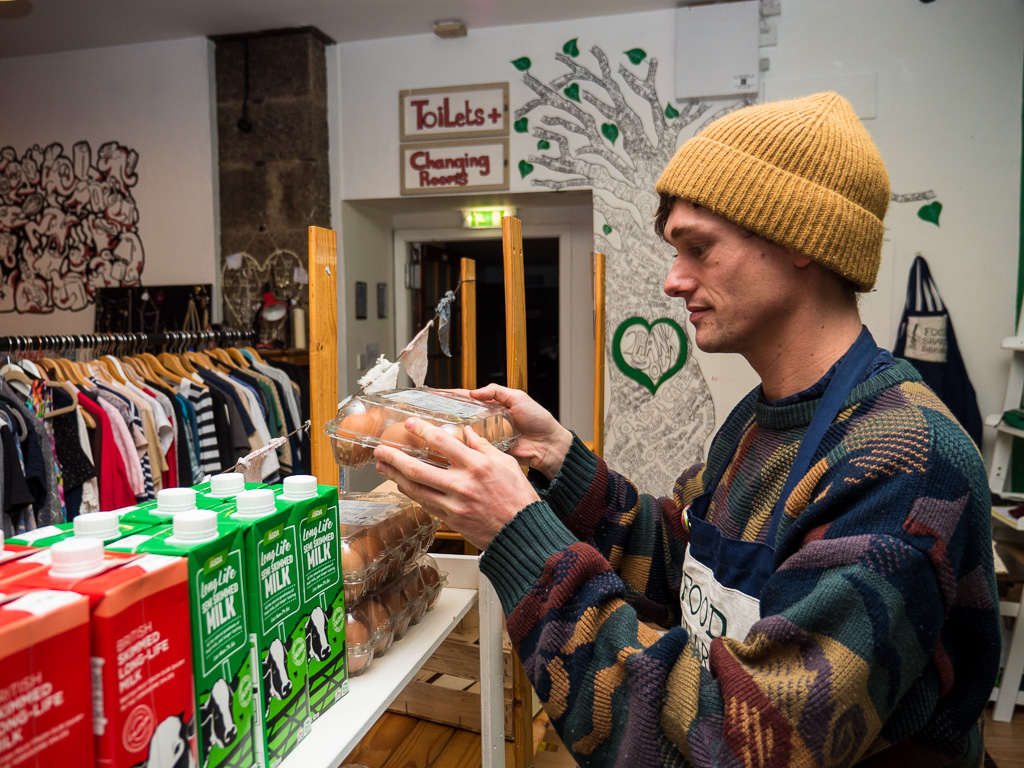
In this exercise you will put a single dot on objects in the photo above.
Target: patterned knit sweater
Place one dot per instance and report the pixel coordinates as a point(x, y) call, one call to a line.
point(879, 635)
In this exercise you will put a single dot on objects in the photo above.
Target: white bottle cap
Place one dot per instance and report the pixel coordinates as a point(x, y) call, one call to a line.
point(76, 558)
point(195, 525)
point(298, 487)
point(226, 484)
point(97, 525)
point(255, 503)
point(171, 501)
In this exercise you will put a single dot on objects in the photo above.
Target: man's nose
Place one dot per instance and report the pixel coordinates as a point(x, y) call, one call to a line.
point(678, 281)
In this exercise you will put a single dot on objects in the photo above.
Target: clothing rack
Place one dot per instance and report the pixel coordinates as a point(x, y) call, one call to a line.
point(127, 343)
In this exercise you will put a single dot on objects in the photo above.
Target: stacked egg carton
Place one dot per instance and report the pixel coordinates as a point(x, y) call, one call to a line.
point(390, 581)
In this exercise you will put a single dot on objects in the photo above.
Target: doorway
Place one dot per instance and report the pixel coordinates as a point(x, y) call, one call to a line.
point(434, 270)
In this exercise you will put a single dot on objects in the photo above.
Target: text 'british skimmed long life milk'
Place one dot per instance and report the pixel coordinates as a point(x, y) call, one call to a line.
point(323, 594)
point(45, 696)
point(277, 638)
point(143, 711)
point(220, 637)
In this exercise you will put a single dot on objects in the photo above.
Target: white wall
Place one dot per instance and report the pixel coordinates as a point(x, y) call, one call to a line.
point(155, 99)
point(947, 119)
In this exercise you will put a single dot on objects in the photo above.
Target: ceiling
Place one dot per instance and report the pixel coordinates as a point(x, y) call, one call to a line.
point(30, 27)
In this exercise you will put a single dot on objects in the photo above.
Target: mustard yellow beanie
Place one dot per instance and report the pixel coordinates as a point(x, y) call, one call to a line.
point(802, 173)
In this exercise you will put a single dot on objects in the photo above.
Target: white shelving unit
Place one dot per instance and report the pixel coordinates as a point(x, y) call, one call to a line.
point(339, 730)
point(999, 472)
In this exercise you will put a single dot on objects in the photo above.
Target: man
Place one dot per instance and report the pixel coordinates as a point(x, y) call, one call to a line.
point(827, 574)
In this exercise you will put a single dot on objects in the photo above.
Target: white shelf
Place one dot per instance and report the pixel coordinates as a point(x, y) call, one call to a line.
point(339, 730)
point(1002, 515)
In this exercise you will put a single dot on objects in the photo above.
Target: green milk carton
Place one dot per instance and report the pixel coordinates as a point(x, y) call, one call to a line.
point(104, 526)
point(225, 486)
point(169, 501)
point(277, 638)
point(220, 638)
point(323, 591)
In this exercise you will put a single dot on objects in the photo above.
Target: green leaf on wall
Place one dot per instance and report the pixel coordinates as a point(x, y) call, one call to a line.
point(570, 49)
point(522, 63)
point(521, 124)
point(930, 212)
point(671, 112)
point(636, 55)
point(573, 91)
point(543, 144)
point(610, 131)
point(606, 229)
point(525, 169)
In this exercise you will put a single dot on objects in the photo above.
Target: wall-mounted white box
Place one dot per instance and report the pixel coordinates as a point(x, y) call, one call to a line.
point(716, 49)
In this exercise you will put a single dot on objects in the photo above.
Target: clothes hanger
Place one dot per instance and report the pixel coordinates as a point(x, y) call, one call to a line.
point(236, 354)
point(67, 408)
point(255, 355)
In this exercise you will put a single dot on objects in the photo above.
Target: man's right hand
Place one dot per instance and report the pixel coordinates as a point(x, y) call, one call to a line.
point(543, 442)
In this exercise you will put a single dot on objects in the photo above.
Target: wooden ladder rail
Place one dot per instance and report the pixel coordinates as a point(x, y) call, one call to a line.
point(599, 353)
point(515, 356)
point(323, 348)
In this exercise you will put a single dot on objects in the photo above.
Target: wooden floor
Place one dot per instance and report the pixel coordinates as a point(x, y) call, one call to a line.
point(400, 741)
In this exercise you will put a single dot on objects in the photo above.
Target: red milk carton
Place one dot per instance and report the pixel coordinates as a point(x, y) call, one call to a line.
point(143, 710)
point(45, 700)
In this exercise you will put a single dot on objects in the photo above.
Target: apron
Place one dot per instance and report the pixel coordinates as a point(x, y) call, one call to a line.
point(723, 577)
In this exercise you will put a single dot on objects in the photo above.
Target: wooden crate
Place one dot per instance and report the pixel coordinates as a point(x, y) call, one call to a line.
point(447, 687)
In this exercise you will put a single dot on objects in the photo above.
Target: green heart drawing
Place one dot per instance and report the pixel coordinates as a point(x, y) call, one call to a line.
point(930, 212)
point(671, 112)
point(573, 91)
point(606, 229)
point(649, 353)
point(610, 131)
point(570, 48)
point(521, 124)
point(522, 63)
point(543, 144)
point(525, 168)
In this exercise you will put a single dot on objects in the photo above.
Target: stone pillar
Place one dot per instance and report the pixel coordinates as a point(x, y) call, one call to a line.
point(273, 163)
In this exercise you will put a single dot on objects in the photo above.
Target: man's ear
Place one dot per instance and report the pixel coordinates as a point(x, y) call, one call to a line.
point(800, 260)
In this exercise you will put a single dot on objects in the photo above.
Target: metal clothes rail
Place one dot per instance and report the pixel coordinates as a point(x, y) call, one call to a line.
point(123, 343)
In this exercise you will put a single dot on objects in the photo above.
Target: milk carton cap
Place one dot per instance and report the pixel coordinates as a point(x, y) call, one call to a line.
point(97, 525)
point(255, 503)
point(76, 558)
point(195, 525)
point(174, 500)
point(298, 487)
point(227, 484)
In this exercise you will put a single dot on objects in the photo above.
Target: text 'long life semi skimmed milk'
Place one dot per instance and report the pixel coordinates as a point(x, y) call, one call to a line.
point(45, 694)
point(277, 636)
point(143, 711)
point(220, 635)
point(323, 593)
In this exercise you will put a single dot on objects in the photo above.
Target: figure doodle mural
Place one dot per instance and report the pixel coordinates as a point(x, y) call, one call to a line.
point(68, 225)
point(592, 133)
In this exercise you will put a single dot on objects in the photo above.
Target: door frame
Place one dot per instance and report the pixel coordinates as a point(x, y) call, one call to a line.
point(563, 232)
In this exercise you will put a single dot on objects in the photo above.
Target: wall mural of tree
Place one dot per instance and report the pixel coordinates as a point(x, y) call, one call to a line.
point(594, 134)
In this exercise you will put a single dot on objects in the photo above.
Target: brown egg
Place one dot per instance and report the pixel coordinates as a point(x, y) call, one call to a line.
point(373, 549)
point(354, 432)
point(431, 583)
point(353, 558)
point(357, 638)
point(398, 436)
point(378, 618)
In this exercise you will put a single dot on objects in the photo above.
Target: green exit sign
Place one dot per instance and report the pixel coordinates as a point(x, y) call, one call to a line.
point(484, 218)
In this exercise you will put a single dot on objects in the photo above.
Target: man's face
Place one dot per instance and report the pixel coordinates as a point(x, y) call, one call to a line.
point(736, 285)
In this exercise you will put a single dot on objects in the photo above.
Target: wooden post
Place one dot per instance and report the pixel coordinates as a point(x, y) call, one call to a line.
point(515, 302)
point(323, 348)
point(467, 279)
point(515, 342)
point(599, 342)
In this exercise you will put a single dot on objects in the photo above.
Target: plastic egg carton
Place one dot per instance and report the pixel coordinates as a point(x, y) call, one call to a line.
point(380, 534)
point(384, 616)
point(365, 421)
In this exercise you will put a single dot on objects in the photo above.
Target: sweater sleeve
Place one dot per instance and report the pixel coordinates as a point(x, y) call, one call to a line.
point(853, 654)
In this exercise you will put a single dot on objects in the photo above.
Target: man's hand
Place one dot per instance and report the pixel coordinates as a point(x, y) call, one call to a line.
point(481, 491)
point(543, 442)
